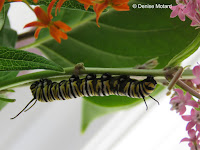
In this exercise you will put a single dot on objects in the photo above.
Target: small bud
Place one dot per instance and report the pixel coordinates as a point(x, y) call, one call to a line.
point(78, 67)
point(150, 64)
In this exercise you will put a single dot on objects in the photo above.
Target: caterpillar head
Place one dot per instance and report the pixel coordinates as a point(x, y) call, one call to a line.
point(149, 82)
point(149, 85)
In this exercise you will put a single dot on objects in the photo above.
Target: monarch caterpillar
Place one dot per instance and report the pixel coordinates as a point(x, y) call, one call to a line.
point(45, 90)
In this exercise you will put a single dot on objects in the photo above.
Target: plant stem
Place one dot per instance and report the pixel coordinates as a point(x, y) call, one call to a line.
point(188, 89)
point(36, 43)
point(27, 3)
point(24, 79)
point(175, 78)
point(124, 71)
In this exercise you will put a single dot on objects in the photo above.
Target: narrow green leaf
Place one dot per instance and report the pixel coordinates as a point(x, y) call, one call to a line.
point(4, 101)
point(2, 18)
point(10, 90)
point(7, 100)
point(12, 59)
point(3, 15)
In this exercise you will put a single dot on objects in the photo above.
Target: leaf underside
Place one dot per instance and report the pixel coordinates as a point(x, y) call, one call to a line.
point(124, 39)
point(13, 59)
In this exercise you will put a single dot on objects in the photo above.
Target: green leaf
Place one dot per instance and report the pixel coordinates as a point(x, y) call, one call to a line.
point(2, 18)
point(4, 101)
point(7, 100)
point(90, 111)
point(12, 59)
point(126, 42)
point(8, 38)
point(4, 75)
point(94, 107)
point(189, 50)
point(71, 4)
point(3, 15)
point(7, 75)
point(54, 57)
point(2, 104)
point(125, 39)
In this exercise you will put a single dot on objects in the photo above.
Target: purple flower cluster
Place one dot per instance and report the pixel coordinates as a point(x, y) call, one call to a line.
point(179, 103)
point(189, 8)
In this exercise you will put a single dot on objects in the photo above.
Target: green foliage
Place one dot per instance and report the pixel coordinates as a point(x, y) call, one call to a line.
point(4, 75)
point(126, 42)
point(91, 111)
point(190, 49)
point(3, 104)
point(12, 59)
point(7, 99)
point(3, 15)
point(125, 39)
point(2, 18)
point(94, 107)
point(8, 38)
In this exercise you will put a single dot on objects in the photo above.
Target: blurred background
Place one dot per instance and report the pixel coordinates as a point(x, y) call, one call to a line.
point(57, 125)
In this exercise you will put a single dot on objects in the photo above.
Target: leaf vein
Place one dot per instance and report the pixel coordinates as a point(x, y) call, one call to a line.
point(134, 31)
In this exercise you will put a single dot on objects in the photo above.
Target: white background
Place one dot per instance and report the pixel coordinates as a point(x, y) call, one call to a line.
point(50, 126)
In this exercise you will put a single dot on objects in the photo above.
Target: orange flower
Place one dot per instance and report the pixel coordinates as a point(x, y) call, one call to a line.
point(100, 5)
point(35, 1)
point(86, 3)
point(2, 2)
point(57, 28)
point(58, 5)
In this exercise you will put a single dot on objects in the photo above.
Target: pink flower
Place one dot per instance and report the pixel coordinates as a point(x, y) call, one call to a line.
point(179, 102)
point(195, 21)
point(193, 140)
point(194, 119)
point(178, 10)
point(191, 8)
point(196, 72)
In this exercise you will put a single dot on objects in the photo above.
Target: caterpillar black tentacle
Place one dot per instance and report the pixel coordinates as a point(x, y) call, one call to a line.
point(45, 90)
point(24, 109)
